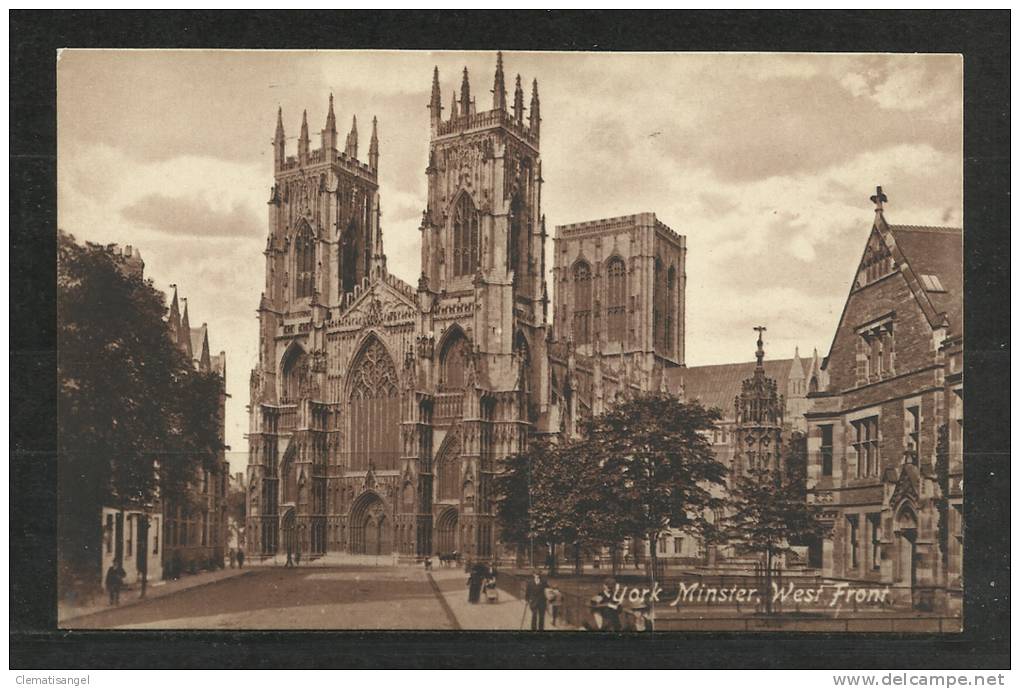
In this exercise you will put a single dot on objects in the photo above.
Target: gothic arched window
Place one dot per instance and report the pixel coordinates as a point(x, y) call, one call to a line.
point(448, 472)
point(295, 370)
point(668, 336)
point(374, 406)
point(658, 307)
point(582, 303)
point(349, 258)
point(451, 362)
point(304, 255)
point(465, 237)
point(518, 239)
point(616, 299)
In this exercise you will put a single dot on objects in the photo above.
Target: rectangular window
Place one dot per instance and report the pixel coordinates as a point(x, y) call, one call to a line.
point(130, 532)
point(826, 450)
point(875, 522)
point(678, 545)
point(914, 433)
point(853, 533)
point(155, 538)
point(866, 446)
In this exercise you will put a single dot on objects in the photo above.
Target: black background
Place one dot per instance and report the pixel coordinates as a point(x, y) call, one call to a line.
point(982, 38)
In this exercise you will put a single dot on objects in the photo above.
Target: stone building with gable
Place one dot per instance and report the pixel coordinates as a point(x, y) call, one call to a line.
point(885, 429)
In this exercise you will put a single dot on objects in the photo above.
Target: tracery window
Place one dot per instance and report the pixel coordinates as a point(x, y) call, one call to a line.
point(582, 303)
point(668, 335)
point(374, 407)
point(451, 362)
point(465, 237)
point(518, 239)
point(659, 307)
point(448, 472)
point(616, 299)
point(304, 254)
point(295, 368)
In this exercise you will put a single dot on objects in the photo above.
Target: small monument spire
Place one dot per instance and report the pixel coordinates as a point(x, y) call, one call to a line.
point(279, 140)
point(498, 87)
point(760, 354)
point(352, 139)
point(453, 106)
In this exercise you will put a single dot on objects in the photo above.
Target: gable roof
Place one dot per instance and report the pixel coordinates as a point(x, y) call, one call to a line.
point(719, 385)
point(936, 251)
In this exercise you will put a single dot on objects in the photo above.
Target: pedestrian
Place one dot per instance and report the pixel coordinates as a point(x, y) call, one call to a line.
point(534, 594)
point(297, 558)
point(113, 582)
point(491, 592)
point(604, 608)
point(554, 602)
point(474, 584)
point(428, 563)
point(233, 558)
point(240, 559)
point(290, 559)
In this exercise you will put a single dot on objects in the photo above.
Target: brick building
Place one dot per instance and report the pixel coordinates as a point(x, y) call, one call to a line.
point(885, 430)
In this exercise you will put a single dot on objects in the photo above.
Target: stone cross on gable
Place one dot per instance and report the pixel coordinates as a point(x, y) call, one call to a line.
point(878, 199)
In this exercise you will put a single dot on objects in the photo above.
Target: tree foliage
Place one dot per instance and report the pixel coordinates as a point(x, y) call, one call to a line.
point(135, 421)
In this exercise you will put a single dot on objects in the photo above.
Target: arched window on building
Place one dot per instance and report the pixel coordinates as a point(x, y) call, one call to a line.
point(304, 255)
point(451, 361)
point(349, 257)
point(616, 299)
point(518, 240)
point(295, 369)
point(658, 307)
point(582, 303)
point(669, 337)
point(374, 436)
point(448, 471)
point(465, 237)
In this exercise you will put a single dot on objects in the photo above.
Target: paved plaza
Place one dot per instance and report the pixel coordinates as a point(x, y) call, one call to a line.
point(352, 597)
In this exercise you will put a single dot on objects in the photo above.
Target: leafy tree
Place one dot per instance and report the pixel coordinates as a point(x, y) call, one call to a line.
point(770, 511)
point(511, 493)
point(133, 416)
point(657, 469)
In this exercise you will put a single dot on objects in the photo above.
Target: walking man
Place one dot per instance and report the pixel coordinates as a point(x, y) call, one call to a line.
point(113, 582)
point(534, 594)
point(240, 559)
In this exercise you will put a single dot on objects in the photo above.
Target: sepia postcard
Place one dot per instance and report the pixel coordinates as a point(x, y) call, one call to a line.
point(506, 340)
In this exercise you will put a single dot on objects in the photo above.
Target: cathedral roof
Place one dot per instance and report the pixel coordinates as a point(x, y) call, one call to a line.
point(936, 252)
point(718, 385)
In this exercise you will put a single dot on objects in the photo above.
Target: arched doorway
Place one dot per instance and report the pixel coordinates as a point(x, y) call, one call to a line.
point(370, 529)
point(906, 536)
point(446, 532)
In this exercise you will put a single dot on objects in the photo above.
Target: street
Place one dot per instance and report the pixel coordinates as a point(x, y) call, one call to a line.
point(299, 598)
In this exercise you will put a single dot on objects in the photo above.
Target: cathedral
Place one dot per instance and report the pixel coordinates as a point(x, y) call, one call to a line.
point(380, 411)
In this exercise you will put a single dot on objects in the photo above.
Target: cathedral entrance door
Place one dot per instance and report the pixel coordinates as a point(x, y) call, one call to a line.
point(370, 529)
point(446, 532)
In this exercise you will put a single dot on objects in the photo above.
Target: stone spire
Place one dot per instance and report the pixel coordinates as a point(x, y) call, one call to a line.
point(435, 102)
point(519, 101)
point(760, 353)
point(279, 140)
point(378, 254)
point(329, 133)
point(759, 417)
point(534, 116)
point(175, 317)
point(352, 139)
point(465, 95)
point(498, 87)
point(184, 333)
point(303, 141)
point(373, 146)
point(453, 107)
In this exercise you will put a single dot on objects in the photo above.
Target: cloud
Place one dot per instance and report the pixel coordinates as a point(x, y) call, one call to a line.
point(181, 216)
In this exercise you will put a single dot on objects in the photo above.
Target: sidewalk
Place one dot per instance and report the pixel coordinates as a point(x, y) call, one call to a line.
point(156, 589)
point(508, 613)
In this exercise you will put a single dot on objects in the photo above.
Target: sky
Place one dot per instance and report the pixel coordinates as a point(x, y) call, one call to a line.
point(765, 162)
